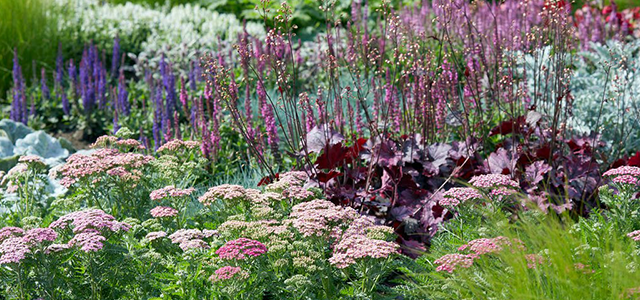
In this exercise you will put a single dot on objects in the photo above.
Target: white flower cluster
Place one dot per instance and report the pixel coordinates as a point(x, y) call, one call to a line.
point(180, 33)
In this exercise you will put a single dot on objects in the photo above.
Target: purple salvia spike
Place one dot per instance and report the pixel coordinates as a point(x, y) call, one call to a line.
point(184, 97)
point(18, 90)
point(65, 103)
point(123, 96)
point(44, 89)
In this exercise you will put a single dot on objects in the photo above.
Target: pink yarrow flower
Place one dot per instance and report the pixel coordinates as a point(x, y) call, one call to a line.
point(39, 235)
point(88, 241)
point(489, 246)
point(454, 196)
point(354, 247)
point(163, 212)
point(89, 219)
point(13, 250)
point(319, 217)
point(170, 191)
point(7, 232)
point(493, 181)
point(154, 235)
point(451, 262)
point(634, 235)
point(241, 249)
point(228, 192)
point(227, 273)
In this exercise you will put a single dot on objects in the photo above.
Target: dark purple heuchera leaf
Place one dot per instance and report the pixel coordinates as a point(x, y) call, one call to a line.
point(332, 157)
point(384, 154)
point(534, 173)
point(439, 154)
point(411, 151)
point(502, 161)
point(321, 137)
point(400, 213)
point(515, 125)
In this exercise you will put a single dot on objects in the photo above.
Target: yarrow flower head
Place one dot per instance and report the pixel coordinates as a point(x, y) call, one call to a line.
point(112, 162)
point(351, 248)
point(624, 170)
point(88, 241)
point(84, 220)
point(454, 196)
point(451, 262)
point(318, 217)
point(229, 272)
point(533, 260)
point(154, 235)
point(31, 160)
point(7, 232)
point(13, 250)
point(634, 235)
point(174, 146)
point(489, 245)
point(297, 193)
point(241, 249)
point(170, 191)
point(163, 212)
point(228, 192)
point(625, 175)
point(287, 180)
point(188, 239)
point(493, 181)
point(39, 235)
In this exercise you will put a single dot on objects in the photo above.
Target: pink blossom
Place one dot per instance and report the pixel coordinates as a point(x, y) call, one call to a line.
point(240, 249)
point(229, 192)
point(451, 262)
point(488, 246)
point(154, 235)
point(175, 145)
point(89, 219)
point(353, 247)
point(39, 235)
point(318, 217)
point(635, 235)
point(88, 241)
point(31, 159)
point(625, 179)
point(533, 260)
point(492, 181)
point(13, 250)
point(297, 193)
point(288, 179)
point(624, 170)
point(454, 196)
point(130, 143)
point(7, 232)
point(228, 272)
point(184, 235)
point(102, 162)
point(170, 191)
point(194, 244)
point(163, 212)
